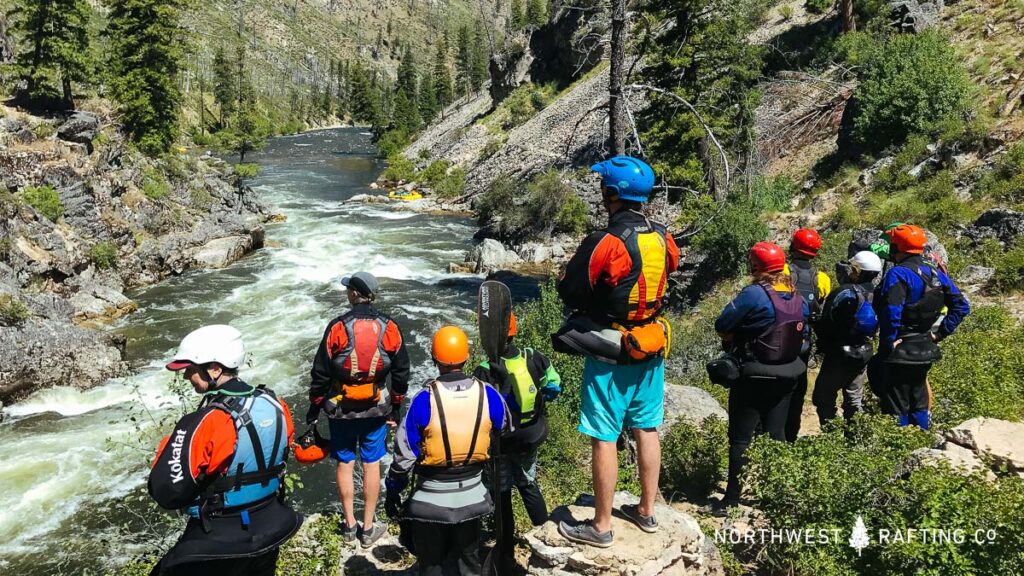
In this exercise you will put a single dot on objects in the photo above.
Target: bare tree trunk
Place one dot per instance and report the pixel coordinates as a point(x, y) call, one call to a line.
point(849, 23)
point(69, 100)
point(616, 113)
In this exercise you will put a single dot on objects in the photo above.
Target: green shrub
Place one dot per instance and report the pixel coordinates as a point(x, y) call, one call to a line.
point(13, 311)
point(424, 153)
point(45, 200)
point(694, 459)
point(103, 255)
point(452, 185)
point(772, 194)
point(491, 148)
point(786, 12)
point(202, 199)
point(44, 130)
point(495, 201)
point(982, 371)
point(247, 170)
point(523, 103)
point(819, 6)
point(847, 216)
point(154, 184)
point(728, 238)
point(549, 206)
point(895, 176)
point(910, 83)
point(316, 552)
point(1006, 181)
point(933, 203)
point(434, 173)
point(392, 142)
point(399, 168)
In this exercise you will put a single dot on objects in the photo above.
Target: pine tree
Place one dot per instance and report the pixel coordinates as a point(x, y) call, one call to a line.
point(464, 60)
point(225, 91)
point(517, 16)
point(55, 48)
point(146, 43)
point(481, 59)
point(443, 88)
point(365, 99)
point(537, 13)
point(428, 98)
point(248, 131)
point(407, 75)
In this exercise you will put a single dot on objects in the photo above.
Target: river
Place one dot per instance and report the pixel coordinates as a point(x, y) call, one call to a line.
point(73, 464)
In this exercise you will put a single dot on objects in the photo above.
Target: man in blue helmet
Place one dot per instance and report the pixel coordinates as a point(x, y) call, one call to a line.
point(617, 280)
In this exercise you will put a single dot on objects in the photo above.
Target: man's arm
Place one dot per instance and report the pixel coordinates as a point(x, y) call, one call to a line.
point(894, 295)
point(407, 441)
point(601, 257)
point(394, 343)
point(957, 304)
point(320, 375)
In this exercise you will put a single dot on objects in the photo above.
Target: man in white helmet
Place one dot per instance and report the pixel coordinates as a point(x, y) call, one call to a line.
point(223, 465)
point(845, 330)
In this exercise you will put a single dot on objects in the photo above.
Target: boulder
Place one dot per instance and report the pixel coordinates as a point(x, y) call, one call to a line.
point(509, 69)
point(1002, 224)
point(912, 17)
point(100, 302)
point(997, 439)
point(220, 252)
point(369, 199)
point(535, 252)
point(81, 128)
point(959, 458)
point(689, 404)
point(677, 548)
point(491, 255)
point(975, 277)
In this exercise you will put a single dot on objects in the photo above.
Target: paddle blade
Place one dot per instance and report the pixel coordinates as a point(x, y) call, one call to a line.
point(494, 312)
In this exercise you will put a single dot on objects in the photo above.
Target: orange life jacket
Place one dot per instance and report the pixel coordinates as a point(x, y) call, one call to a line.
point(638, 297)
point(459, 431)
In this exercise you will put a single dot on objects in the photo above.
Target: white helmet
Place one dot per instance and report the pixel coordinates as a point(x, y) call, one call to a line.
point(218, 343)
point(866, 261)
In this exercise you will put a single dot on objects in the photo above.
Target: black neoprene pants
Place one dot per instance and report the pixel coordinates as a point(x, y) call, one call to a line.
point(754, 401)
point(796, 404)
point(435, 543)
point(263, 565)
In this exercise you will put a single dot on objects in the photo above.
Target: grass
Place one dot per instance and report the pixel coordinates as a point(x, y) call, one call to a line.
point(154, 184)
point(13, 312)
point(103, 255)
point(45, 200)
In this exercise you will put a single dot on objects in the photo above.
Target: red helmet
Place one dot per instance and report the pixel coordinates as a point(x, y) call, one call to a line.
point(311, 448)
point(908, 239)
point(513, 326)
point(806, 241)
point(767, 257)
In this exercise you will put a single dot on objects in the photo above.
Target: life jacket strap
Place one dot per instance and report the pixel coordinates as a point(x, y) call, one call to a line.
point(444, 423)
point(476, 426)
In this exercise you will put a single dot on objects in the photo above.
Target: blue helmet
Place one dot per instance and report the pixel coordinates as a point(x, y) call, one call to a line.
point(630, 178)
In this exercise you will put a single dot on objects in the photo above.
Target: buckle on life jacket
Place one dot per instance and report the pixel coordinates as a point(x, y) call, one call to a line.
point(646, 341)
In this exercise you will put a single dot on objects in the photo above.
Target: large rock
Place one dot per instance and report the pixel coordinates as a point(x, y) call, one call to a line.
point(222, 251)
point(689, 404)
point(100, 302)
point(678, 548)
point(44, 353)
point(1001, 224)
point(997, 439)
point(537, 252)
point(491, 255)
point(81, 128)
point(957, 457)
point(912, 17)
point(509, 69)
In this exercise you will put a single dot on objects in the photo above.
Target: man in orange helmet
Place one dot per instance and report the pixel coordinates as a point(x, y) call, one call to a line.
point(445, 439)
point(909, 302)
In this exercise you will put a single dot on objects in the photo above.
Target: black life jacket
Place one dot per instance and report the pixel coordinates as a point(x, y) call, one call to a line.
point(833, 332)
point(637, 298)
point(806, 281)
point(920, 316)
point(781, 342)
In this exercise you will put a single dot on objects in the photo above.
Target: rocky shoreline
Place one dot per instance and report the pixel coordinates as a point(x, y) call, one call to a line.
point(123, 221)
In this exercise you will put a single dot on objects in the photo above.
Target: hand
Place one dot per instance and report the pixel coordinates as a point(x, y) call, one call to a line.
point(934, 336)
point(393, 504)
point(313, 413)
point(393, 418)
point(897, 343)
point(551, 391)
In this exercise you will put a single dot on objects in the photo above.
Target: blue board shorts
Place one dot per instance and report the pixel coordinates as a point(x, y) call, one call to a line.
point(369, 435)
point(615, 396)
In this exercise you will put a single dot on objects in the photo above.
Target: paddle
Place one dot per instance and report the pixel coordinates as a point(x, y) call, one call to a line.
point(494, 312)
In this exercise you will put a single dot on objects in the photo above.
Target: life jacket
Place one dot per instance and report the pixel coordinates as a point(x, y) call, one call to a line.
point(527, 404)
point(781, 342)
point(459, 431)
point(833, 332)
point(638, 297)
point(920, 316)
point(806, 282)
point(363, 364)
point(258, 464)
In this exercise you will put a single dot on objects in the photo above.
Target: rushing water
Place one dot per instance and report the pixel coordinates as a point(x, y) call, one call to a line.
point(72, 464)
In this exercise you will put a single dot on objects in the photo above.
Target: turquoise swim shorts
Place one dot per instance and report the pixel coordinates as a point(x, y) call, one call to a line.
point(614, 397)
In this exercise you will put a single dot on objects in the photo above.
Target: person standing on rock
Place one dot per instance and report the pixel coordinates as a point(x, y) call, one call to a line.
point(224, 464)
point(527, 381)
point(359, 378)
point(444, 441)
point(617, 280)
point(845, 329)
point(765, 327)
point(909, 303)
point(814, 286)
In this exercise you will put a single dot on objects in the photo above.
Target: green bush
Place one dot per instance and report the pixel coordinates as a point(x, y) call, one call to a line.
point(434, 173)
point(392, 142)
point(728, 238)
point(424, 153)
point(45, 200)
point(202, 199)
point(786, 12)
point(1006, 181)
point(316, 552)
point(13, 311)
point(44, 130)
point(491, 148)
point(933, 203)
point(548, 206)
point(772, 194)
point(694, 459)
point(523, 103)
point(910, 84)
point(103, 255)
point(154, 184)
point(452, 185)
point(819, 6)
point(247, 170)
point(982, 371)
point(399, 168)
point(830, 480)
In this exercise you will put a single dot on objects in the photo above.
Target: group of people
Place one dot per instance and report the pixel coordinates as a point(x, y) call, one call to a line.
point(223, 464)
point(907, 299)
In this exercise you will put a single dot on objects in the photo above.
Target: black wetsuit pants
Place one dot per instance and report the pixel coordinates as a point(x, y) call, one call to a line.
point(436, 543)
point(753, 402)
point(795, 410)
point(262, 565)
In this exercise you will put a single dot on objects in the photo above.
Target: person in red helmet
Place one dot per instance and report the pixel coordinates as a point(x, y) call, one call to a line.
point(765, 327)
point(814, 286)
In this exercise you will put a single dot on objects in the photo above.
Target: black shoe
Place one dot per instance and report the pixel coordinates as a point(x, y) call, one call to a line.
point(367, 538)
point(348, 533)
point(584, 533)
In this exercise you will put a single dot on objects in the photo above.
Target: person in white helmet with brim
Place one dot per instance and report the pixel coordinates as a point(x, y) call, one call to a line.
point(845, 332)
point(223, 465)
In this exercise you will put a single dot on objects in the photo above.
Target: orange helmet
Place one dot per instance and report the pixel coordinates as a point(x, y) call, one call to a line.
point(513, 326)
point(806, 241)
point(908, 239)
point(451, 346)
point(311, 448)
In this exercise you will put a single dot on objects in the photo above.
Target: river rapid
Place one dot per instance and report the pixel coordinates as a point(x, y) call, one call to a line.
point(73, 464)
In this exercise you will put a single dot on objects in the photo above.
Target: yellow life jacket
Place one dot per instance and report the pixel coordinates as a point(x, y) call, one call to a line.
point(459, 431)
point(524, 390)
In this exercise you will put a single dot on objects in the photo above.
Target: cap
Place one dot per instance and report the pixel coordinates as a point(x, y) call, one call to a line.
point(362, 282)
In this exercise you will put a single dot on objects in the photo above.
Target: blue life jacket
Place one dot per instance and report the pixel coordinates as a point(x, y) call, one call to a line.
point(258, 464)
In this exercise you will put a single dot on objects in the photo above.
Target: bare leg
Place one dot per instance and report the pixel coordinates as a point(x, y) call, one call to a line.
point(347, 492)
point(649, 454)
point(606, 473)
point(371, 492)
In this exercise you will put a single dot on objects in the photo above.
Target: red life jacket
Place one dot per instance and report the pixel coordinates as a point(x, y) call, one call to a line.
point(363, 363)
